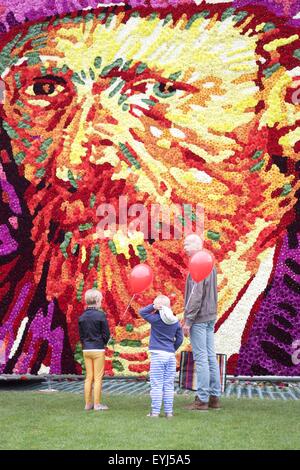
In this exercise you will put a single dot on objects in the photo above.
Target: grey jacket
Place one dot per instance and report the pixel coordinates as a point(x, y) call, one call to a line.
point(202, 306)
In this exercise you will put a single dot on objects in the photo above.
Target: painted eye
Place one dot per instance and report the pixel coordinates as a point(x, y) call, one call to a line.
point(44, 89)
point(164, 90)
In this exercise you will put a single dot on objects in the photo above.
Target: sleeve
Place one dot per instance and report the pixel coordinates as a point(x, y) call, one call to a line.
point(178, 338)
point(105, 331)
point(80, 332)
point(147, 314)
point(194, 304)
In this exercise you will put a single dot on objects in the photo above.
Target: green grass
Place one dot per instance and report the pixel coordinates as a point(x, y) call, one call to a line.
point(32, 420)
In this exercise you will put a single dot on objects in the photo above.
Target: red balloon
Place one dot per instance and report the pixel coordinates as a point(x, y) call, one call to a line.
point(201, 265)
point(140, 278)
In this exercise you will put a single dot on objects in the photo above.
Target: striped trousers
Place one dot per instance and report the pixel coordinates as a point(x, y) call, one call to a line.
point(162, 377)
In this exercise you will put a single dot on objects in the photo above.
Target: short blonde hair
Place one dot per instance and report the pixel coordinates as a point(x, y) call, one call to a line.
point(164, 300)
point(93, 297)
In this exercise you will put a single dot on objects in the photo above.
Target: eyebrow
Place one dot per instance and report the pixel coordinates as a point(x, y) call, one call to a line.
point(53, 78)
point(22, 62)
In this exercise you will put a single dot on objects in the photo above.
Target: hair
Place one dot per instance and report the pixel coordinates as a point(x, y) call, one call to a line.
point(164, 300)
point(93, 297)
point(195, 241)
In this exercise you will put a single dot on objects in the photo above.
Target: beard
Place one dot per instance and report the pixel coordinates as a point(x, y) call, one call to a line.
point(64, 232)
point(60, 217)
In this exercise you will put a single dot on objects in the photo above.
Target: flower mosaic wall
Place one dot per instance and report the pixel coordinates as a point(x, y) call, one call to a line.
point(164, 102)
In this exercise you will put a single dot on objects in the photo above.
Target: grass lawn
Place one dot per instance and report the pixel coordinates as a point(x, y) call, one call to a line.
point(32, 420)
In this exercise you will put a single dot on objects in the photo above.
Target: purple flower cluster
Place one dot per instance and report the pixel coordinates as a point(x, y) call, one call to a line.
point(13, 12)
point(276, 327)
point(39, 332)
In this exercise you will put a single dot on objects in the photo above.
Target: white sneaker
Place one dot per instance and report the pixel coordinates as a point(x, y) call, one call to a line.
point(100, 407)
point(153, 415)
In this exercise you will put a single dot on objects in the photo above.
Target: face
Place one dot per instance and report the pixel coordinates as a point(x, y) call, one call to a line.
point(100, 107)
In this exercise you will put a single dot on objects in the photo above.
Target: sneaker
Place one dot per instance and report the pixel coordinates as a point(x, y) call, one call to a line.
point(100, 407)
point(198, 405)
point(88, 407)
point(214, 403)
point(153, 415)
point(169, 415)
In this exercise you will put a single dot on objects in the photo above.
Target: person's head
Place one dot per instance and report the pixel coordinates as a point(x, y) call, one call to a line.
point(93, 298)
point(192, 244)
point(161, 301)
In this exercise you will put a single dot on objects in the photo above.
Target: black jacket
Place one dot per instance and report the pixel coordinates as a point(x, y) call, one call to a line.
point(93, 329)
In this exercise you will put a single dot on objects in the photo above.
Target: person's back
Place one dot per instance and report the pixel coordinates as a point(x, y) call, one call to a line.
point(200, 315)
point(162, 335)
point(165, 338)
point(201, 299)
point(210, 294)
point(94, 333)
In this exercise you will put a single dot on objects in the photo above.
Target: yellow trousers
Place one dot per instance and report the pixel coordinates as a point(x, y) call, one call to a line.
point(94, 366)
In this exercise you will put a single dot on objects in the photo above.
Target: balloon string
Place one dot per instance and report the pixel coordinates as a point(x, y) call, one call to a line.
point(190, 296)
point(129, 303)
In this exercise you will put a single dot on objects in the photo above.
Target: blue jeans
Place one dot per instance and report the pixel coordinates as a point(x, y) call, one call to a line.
point(208, 373)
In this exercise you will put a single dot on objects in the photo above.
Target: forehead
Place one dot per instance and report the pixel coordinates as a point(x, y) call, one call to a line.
point(206, 44)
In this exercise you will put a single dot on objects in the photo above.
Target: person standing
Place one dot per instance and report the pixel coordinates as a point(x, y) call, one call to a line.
point(94, 335)
point(165, 339)
point(199, 321)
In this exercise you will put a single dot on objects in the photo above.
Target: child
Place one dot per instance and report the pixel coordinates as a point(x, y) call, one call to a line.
point(166, 337)
point(94, 335)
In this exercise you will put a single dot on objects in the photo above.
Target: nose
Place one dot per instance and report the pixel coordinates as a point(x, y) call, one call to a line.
point(100, 86)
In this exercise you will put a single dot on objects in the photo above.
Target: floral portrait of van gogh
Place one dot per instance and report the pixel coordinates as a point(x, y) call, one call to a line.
point(178, 101)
